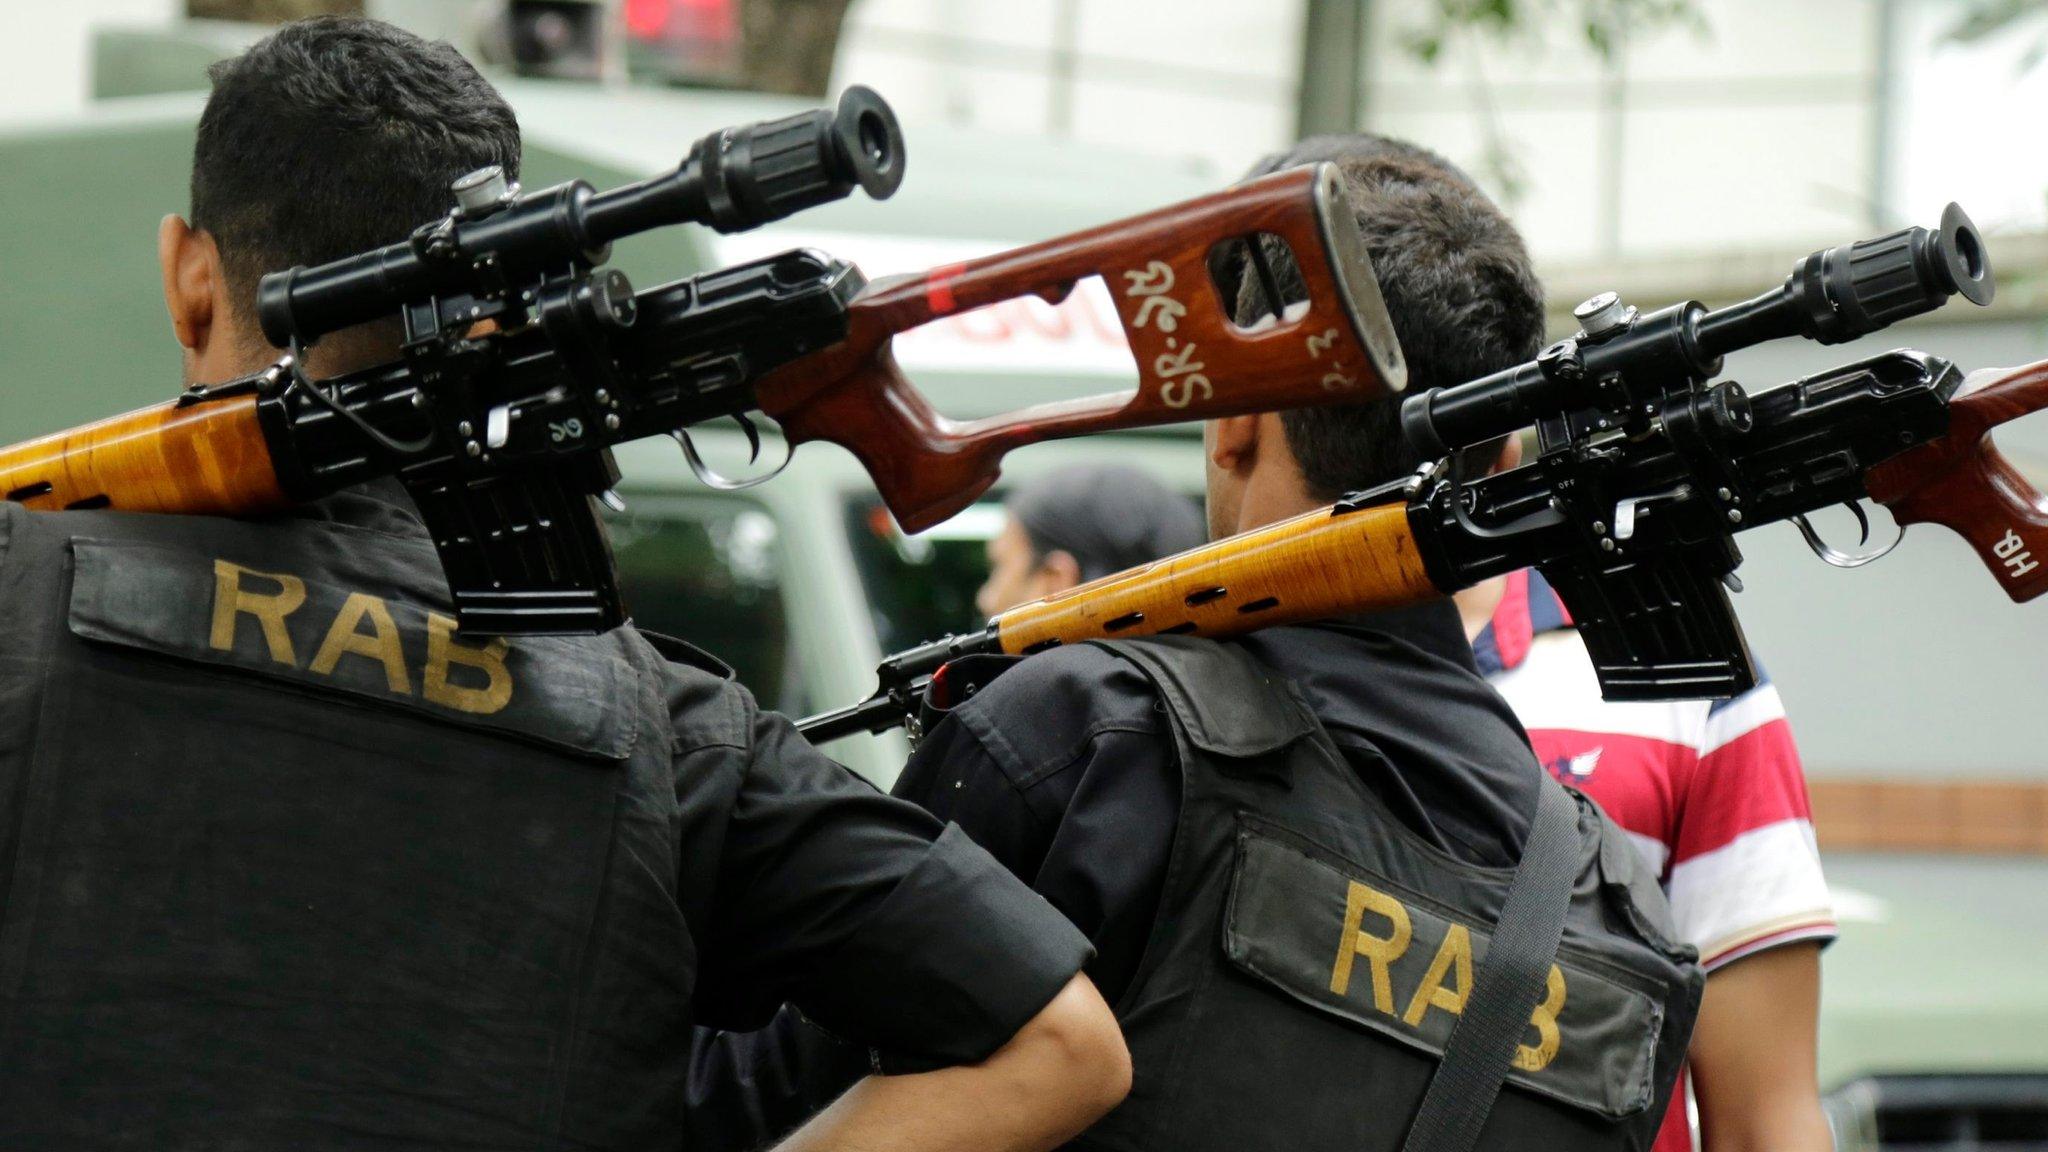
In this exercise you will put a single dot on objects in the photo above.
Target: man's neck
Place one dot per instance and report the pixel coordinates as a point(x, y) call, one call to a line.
point(1276, 499)
point(1272, 496)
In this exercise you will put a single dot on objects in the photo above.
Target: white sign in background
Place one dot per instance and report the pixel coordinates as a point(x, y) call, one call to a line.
point(1080, 336)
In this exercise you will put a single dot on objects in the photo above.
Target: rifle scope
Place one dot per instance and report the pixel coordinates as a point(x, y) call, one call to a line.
point(1832, 296)
point(732, 180)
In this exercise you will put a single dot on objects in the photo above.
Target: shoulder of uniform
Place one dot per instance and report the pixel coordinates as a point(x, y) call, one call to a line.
point(1048, 707)
point(1080, 676)
point(707, 705)
point(686, 654)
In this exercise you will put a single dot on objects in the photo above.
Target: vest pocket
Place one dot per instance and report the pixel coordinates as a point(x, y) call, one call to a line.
point(1348, 945)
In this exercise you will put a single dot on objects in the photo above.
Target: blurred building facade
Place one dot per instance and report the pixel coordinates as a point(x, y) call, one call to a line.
point(1775, 125)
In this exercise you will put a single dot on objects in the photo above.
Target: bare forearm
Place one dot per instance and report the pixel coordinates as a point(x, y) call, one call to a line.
point(1753, 1055)
point(1773, 1126)
point(1057, 1076)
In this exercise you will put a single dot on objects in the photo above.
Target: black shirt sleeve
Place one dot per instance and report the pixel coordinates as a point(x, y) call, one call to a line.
point(874, 918)
point(750, 1089)
point(1062, 768)
point(1060, 772)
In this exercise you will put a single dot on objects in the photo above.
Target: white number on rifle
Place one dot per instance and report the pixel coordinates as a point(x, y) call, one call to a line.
point(1334, 380)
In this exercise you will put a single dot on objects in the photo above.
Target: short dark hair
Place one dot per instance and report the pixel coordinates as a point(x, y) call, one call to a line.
point(334, 135)
point(1458, 285)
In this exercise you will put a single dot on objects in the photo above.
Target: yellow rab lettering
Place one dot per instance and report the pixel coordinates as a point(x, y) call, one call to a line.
point(1545, 1019)
point(231, 599)
point(381, 645)
point(1379, 952)
point(444, 649)
point(1453, 957)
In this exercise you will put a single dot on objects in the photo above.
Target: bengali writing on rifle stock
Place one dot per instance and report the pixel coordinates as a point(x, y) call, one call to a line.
point(1194, 360)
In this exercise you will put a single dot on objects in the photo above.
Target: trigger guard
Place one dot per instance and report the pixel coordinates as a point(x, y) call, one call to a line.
point(712, 478)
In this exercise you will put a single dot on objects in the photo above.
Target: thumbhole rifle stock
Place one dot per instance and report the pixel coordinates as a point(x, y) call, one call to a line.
point(1194, 361)
point(1962, 482)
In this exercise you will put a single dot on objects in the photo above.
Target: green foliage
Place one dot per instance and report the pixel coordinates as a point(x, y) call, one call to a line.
point(1605, 25)
point(1991, 19)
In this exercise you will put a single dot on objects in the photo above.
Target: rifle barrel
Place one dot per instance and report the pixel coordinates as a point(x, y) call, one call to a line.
point(875, 714)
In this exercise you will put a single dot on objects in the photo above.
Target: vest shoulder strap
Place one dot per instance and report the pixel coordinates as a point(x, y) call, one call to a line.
point(1222, 698)
point(1511, 979)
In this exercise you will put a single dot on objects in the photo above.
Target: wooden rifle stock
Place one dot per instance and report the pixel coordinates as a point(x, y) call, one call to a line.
point(1194, 361)
point(1962, 482)
point(203, 458)
point(1334, 561)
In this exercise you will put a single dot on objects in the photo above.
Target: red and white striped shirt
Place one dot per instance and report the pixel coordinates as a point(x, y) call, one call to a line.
point(1711, 792)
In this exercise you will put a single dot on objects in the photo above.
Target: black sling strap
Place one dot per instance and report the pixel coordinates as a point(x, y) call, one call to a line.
point(1509, 983)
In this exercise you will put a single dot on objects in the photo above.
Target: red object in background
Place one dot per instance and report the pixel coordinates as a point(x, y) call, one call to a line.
point(700, 20)
point(648, 19)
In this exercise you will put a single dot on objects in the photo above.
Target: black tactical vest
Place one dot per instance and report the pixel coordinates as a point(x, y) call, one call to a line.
point(1311, 954)
point(286, 863)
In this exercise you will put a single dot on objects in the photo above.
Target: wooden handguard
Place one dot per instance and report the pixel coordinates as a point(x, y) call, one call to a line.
point(1962, 482)
point(208, 458)
point(1315, 566)
point(1194, 362)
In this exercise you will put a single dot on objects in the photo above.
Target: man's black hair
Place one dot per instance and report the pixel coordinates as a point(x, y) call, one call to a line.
point(1458, 285)
point(335, 135)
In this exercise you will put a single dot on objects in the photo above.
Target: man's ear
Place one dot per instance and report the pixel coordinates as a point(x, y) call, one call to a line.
point(1062, 570)
point(191, 269)
point(1233, 442)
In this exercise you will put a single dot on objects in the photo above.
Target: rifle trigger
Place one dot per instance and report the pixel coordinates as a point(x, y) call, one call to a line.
point(1862, 521)
point(753, 436)
point(1836, 557)
point(712, 478)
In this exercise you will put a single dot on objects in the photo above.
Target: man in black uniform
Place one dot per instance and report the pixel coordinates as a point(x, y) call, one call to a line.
point(1291, 851)
point(285, 862)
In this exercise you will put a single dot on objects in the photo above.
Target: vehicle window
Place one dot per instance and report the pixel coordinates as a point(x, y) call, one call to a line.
point(921, 587)
point(708, 569)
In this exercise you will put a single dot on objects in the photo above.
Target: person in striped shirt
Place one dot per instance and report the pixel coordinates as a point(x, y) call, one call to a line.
point(1712, 794)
